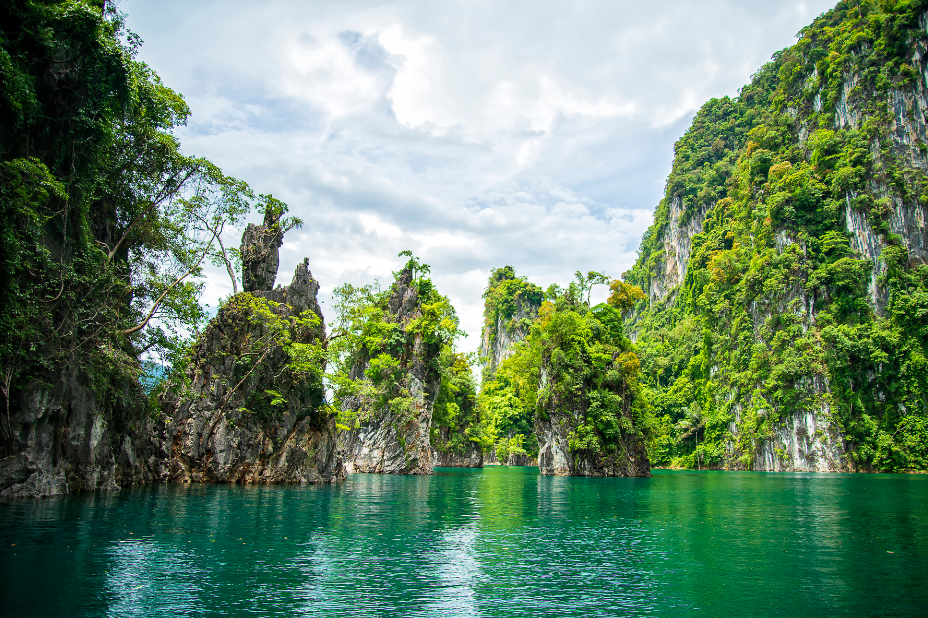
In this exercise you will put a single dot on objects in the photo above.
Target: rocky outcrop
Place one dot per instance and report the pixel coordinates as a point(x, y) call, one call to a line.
point(554, 430)
point(555, 457)
point(510, 308)
point(499, 343)
point(882, 211)
point(472, 457)
point(261, 252)
point(67, 439)
point(809, 440)
point(247, 415)
point(511, 460)
point(906, 134)
point(682, 225)
point(511, 305)
point(394, 438)
point(804, 443)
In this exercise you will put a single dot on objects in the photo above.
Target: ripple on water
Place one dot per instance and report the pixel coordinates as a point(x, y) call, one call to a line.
point(494, 542)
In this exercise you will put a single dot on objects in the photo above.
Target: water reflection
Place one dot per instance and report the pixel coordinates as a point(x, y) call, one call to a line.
point(152, 579)
point(496, 542)
point(454, 565)
point(316, 571)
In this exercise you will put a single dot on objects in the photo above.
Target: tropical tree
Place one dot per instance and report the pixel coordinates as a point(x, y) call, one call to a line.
point(105, 222)
point(692, 421)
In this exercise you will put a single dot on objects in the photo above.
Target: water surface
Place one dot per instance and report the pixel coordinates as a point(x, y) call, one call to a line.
point(493, 542)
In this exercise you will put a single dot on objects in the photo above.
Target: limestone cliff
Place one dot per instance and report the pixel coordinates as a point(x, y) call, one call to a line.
point(498, 342)
point(790, 243)
point(470, 457)
point(676, 245)
point(67, 439)
point(511, 303)
point(555, 458)
point(261, 252)
point(247, 413)
point(589, 429)
point(392, 432)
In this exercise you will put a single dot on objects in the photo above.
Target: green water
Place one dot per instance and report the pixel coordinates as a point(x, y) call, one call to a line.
point(493, 542)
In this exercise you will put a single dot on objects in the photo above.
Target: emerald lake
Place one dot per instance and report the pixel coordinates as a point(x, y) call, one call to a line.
point(492, 542)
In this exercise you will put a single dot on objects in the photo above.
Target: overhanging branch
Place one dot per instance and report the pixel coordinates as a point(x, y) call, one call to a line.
point(164, 294)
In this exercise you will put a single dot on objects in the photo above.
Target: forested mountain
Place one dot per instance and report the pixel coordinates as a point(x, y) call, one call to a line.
point(786, 318)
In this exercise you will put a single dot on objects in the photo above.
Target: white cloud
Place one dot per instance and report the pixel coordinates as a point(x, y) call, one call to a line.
point(324, 73)
point(476, 133)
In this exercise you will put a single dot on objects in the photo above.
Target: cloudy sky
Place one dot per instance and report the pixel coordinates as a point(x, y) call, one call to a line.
point(475, 133)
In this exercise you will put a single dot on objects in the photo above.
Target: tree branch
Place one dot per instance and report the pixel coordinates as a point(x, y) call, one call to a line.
point(222, 248)
point(226, 399)
point(225, 258)
point(158, 302)
point(60, 292)
point(333, 337)
point(151, 207)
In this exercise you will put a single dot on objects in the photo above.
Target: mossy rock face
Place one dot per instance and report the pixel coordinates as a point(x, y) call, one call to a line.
point(392, 436)
point(510, 305)
point(785, 324)
point(247, 415)
point(591, 418)
point(261, 253)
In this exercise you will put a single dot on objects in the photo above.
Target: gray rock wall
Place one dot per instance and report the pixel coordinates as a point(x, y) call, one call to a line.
point(678, 243)
point(222, 428)
point(261, 253)
point(472, 458)
point(395, 441)
point(808, 440)
point(66, 440)
point(499, 344)
point(555, 458)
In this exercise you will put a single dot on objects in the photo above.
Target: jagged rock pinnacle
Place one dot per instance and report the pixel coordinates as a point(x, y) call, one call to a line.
point(261, 253)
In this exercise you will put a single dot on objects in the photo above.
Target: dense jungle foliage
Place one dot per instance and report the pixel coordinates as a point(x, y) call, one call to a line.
point(373, 350)
point(571, 357)
point(509, 302)
point(779, 312)
point(456, 424)
point(105, 222)
point(278, 360)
